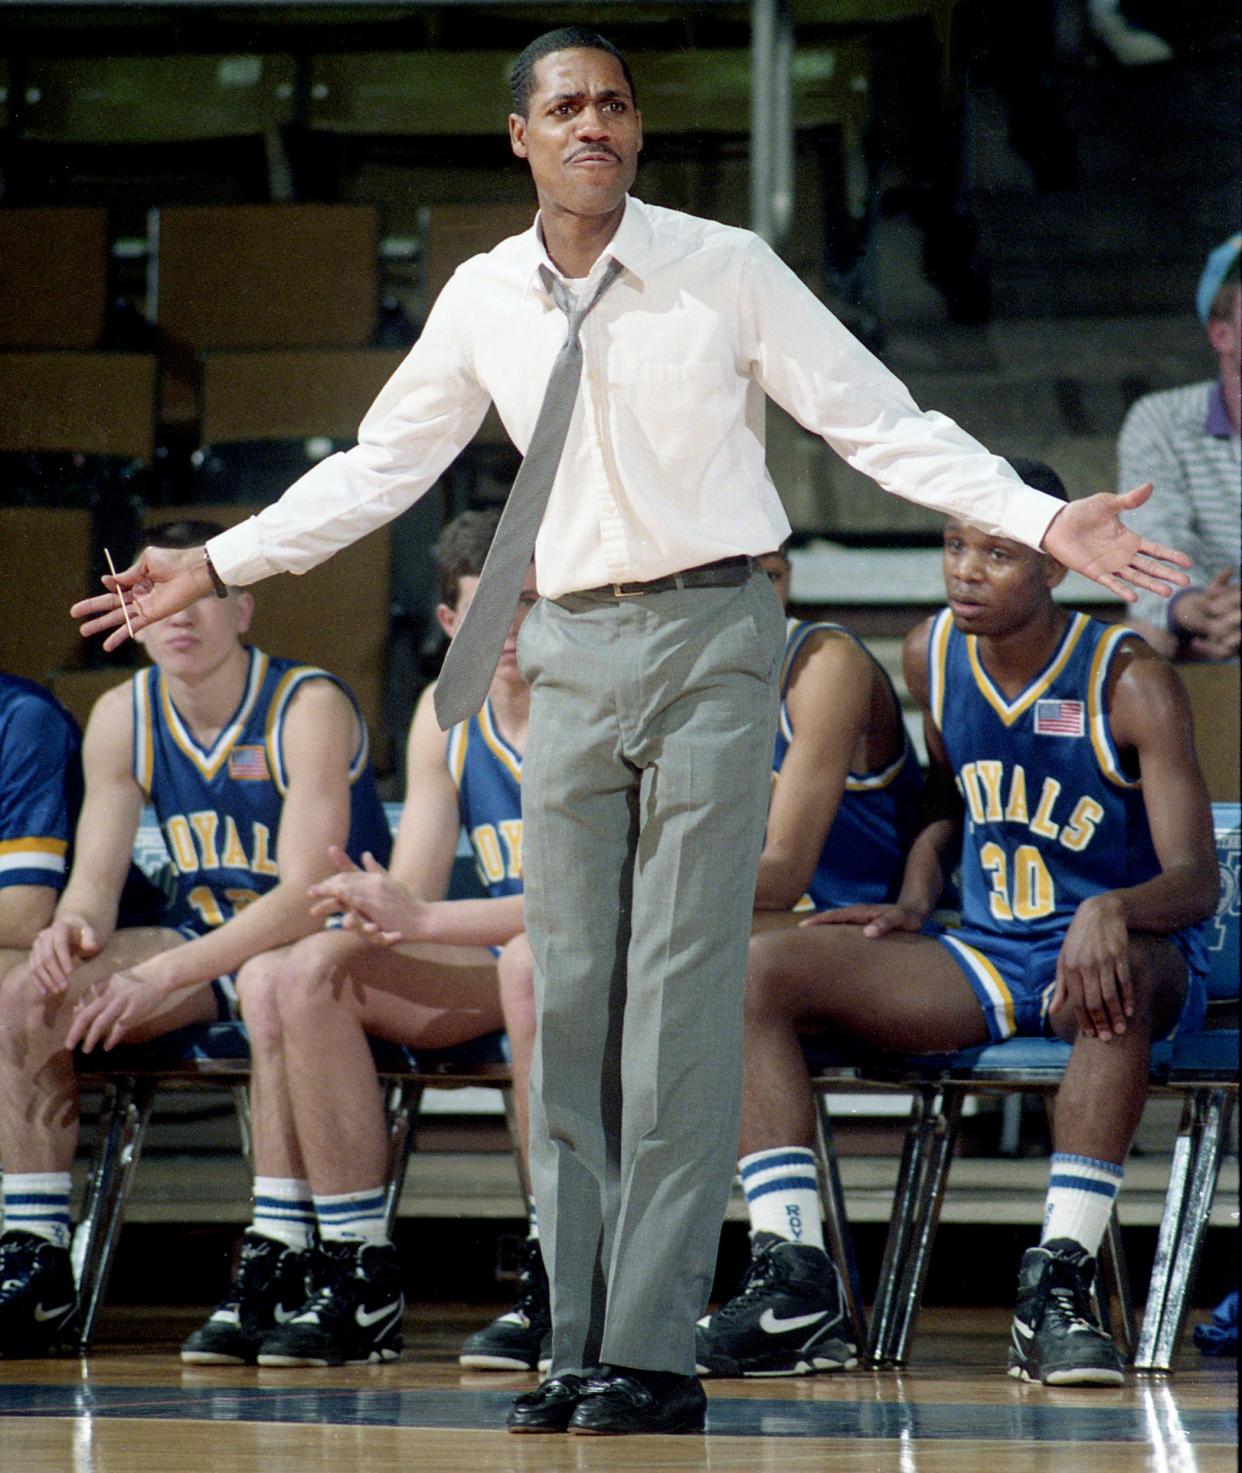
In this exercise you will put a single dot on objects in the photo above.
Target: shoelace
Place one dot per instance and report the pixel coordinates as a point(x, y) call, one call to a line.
point(1066, 1299)
point(758, 1278)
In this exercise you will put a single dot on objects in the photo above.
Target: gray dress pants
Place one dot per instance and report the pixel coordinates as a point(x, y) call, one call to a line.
point(645, 793)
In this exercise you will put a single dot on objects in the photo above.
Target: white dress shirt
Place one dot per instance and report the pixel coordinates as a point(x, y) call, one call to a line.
point(663, 468)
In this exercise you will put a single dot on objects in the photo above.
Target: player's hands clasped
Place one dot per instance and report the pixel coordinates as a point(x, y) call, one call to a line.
point(374, 904)
point(1093, 969)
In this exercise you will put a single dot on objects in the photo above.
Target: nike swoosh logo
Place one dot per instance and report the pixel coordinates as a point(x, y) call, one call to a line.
point(282, 1316)
point(41, 1315)
point(774, 1325)
point(1024, 1330)
point(367, 1318)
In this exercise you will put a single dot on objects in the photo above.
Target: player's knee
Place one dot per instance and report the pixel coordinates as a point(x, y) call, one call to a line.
point(764, 971)
point(258, 992)
point(516, 976)
point(309, 985)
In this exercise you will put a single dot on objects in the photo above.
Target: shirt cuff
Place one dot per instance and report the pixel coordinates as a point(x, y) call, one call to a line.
point(1028, 517)
point(237, 556)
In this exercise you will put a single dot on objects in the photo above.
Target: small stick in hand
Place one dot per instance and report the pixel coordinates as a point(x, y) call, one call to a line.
point(120, 593)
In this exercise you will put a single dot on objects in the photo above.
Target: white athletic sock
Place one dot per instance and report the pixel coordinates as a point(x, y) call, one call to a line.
point(353, 1217)
point(283, 1210)
point(38, 1202)
point(1081, 1193)
point(782, 1194)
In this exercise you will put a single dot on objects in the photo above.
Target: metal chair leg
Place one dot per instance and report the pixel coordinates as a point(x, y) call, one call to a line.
point(245, 1122)
point(887, 1312)
point(1185, 1149)
point(1158, 1342)
point(941, 1141)
point(123, 1121)
point(837, 1236)
point(1112, 1288)
point(402, 1105)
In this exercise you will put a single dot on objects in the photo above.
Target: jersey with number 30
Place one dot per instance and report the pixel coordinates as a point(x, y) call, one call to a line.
point(219, 809)
point(1052, 817)
point(488, 774)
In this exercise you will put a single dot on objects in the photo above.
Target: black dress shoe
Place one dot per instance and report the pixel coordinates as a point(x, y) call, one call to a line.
point(549, 1407)
point(621, 1403)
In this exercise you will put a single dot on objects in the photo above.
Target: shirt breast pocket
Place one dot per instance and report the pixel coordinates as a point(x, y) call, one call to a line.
point(682, 411)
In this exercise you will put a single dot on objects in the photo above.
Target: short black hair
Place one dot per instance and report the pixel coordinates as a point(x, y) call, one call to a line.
point(1041, 477)
point(566, 38)
point(184, 532)
point(461, 550)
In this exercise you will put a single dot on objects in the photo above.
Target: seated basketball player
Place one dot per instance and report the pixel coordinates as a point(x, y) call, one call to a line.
point(1063, 776)
point(40, 793)
point(845, 791)
point(255, 766)
point(320, 1138)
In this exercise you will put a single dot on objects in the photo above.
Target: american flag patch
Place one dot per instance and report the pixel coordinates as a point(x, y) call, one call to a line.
point(249, 764)
point(1059, 718)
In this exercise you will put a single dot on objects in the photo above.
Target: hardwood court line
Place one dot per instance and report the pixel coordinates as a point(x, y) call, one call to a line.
point(87, 1445)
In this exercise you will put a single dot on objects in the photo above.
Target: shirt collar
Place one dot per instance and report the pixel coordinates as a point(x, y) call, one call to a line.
point(631, 244)
point(1217, 421)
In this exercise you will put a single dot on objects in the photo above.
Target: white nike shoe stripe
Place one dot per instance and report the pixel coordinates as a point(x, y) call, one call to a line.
point(773, 1324)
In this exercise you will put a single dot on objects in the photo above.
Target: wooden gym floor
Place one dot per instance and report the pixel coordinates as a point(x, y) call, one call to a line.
point(131, 1407)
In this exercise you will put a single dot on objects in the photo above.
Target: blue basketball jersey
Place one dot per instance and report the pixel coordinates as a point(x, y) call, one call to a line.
point(1052, 817)
point(40, 785)
point(219, 810)
point(864, 853)
point(488, 774)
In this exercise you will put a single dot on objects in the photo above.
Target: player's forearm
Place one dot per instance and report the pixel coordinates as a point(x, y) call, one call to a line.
point(927, 864)
point(1181, 895)
point(782, 881)
point(275, 919)
point(483, 922)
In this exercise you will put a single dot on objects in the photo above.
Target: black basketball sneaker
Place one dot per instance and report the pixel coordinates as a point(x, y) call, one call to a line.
point(38, 1298)
point(519, 1339)
point(788, 1317)
point(353, 1315)
point(1056, 1337)
point(269, 1288)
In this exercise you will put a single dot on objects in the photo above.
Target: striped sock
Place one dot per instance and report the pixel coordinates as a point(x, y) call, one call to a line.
point(782, 1194)
point(38, 1202)
point(353, 1217)
point(283, 1210)
point(1081, 1193)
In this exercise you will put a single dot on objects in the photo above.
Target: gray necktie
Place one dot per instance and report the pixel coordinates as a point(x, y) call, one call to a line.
point(475, 649)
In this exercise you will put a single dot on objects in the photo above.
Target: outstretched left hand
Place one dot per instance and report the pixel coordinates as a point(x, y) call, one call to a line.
point(1090, 537)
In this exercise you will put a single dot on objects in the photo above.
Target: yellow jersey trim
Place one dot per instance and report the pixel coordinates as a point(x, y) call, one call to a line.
point(1010, 711)
point(210, 763)
point(34, 846)
point(1097, 708)
point(937, 664)
point(990, 980)
point(144, 736)
point(497, 745)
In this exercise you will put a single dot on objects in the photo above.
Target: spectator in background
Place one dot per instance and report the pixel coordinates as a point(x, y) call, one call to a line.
point(1186, 442)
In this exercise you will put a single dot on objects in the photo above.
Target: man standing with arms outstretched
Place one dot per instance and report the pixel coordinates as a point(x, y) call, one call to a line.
point(652, 657)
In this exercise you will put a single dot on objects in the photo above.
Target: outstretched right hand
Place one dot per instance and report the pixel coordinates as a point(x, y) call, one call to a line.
point(57, 950)
point(876, 920)
point(163, 581)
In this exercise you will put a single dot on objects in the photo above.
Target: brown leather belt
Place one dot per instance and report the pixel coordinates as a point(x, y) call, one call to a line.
point(728, 572)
